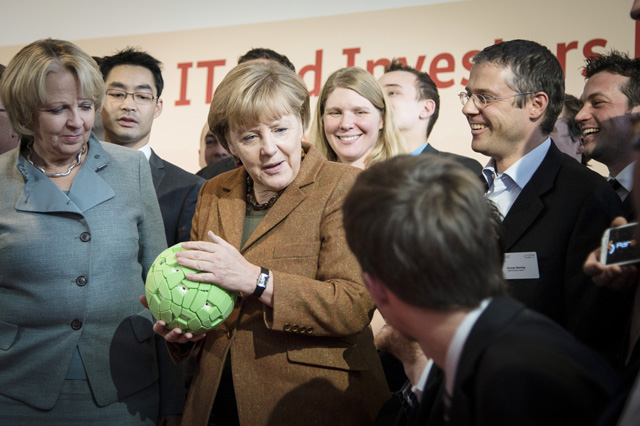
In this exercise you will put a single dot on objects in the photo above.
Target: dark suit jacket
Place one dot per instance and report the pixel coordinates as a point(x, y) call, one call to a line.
point(469, 163)
point(561, 215)
point(177, 192)
point(628, 210)
point(612, 414)
point(519, 368)
point(215, 169)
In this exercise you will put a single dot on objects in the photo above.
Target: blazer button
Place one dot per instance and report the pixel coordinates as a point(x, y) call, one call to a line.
point(85, 237)
point(76, 324)
point(294, 328)
point(287, 327)
point(310, 330)
point(81, 281)
point(229, 334)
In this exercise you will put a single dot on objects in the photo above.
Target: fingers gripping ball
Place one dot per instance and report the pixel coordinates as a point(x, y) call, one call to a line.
point(191, 306)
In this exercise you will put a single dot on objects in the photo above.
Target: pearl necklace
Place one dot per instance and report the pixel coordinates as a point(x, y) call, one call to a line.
point(55, 175)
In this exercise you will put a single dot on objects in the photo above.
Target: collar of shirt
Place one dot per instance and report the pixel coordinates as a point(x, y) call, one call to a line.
point(504, 189)
point(457, 344)
point(522, 170)
point(419, 387)
point(625, 177)
point(420, 149)
point(146, 150)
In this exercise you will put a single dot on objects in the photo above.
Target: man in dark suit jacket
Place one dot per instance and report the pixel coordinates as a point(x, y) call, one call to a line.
point(429, 247)
point(134, 84)
point(416, 106)
point(554, 209)
point(610, 98)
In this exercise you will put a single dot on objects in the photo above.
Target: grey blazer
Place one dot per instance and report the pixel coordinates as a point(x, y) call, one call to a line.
point(71, 270)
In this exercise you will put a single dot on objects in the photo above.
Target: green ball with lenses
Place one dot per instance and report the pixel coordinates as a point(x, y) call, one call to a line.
point(181, 303)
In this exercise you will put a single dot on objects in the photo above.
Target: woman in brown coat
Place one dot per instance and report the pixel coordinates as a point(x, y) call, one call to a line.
point(297, 348)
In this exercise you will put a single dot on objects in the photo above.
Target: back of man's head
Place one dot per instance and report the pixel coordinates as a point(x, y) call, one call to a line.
point(134, 57)
point(423, 227)
point(267, 54)
point(618, 63)
point(425, 87)
point(534, 69)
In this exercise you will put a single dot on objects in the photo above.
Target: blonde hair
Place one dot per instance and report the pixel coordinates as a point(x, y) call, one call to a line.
point(389, 143)
point(24, 81)
point(257, 91)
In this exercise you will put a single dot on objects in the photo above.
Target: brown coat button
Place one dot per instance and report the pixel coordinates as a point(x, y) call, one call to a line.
point(287, 327)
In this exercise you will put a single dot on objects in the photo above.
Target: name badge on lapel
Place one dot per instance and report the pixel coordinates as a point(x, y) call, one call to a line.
point(521, 266)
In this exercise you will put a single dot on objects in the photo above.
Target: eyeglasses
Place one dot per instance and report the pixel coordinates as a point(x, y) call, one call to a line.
point(141, 98)
point(481, 101)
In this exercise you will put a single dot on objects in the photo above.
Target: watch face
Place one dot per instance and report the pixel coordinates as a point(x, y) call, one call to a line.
point(262, 280)
point(261, 285)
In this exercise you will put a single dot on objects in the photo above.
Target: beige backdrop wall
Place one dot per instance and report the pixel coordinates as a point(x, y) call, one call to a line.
point(439, 39)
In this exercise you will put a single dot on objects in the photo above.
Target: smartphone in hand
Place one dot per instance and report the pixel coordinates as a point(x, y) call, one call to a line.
point(619, 246)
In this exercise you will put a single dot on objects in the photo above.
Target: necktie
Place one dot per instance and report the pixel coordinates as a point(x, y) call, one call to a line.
point(614, 184)
point(447, 404)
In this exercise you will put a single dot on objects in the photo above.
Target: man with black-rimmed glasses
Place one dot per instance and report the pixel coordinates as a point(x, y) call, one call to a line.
point(554, 209)
point(134, 83)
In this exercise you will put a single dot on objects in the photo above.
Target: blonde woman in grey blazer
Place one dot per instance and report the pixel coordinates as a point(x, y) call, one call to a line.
point(79, 227)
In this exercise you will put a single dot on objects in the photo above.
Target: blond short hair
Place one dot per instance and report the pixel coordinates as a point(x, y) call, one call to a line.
point(24, 81)
point(254, 92)
point(390, 142)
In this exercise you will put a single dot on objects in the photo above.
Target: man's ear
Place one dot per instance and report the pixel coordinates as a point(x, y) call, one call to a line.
point(158, 108)
point(428, 108)
point(539, 103)
point(379, 293)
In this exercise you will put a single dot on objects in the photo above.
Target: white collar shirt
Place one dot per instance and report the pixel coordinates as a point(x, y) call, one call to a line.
point(505, 188)
point(146, 150)
point(625, 179)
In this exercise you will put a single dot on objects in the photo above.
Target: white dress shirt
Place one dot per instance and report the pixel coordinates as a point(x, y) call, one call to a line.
point(625, 179)
point(505, 187)
point(146, 150)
